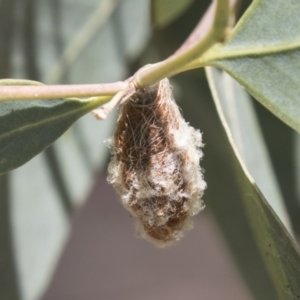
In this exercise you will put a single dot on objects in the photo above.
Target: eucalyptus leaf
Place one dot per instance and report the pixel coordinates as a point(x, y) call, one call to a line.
point(240, 116)
point(262, 54)
point(275, 248)
point(165, 12)
point(28, 127)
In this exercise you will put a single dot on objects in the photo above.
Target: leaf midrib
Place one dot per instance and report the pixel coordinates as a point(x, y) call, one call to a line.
point(87, 107)
point(217, 53)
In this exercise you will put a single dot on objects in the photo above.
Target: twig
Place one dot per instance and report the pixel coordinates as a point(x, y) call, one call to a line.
point(176, 62)
point(207, 22)
point(104, 110)
point(205, 25)
point(60, 91)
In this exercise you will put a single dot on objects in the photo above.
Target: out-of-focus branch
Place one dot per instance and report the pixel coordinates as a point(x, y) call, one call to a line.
point(82, 39)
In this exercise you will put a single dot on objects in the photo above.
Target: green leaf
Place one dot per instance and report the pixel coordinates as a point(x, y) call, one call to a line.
point(28, 127)
point(236, 107)
point(263, 55)
point(275, 252)
point(165, 12)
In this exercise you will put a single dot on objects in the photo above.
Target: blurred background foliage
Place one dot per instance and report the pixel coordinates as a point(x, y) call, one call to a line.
point(93, 41)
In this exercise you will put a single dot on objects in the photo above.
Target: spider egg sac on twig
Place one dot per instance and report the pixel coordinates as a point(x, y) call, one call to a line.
point(155, 164)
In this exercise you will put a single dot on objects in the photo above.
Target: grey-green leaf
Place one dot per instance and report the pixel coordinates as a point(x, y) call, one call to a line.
point(263, 55)
point(236, 106)
point(276, 250)
point(28, 127)
point(165, 12)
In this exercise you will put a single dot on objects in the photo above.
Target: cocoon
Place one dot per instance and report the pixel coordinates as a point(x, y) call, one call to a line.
point(155, 164)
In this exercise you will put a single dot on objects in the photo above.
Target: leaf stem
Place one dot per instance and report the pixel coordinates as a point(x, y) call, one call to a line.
point(175, 63)
point(26, 92)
